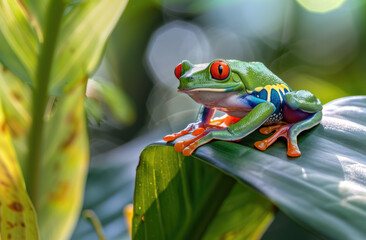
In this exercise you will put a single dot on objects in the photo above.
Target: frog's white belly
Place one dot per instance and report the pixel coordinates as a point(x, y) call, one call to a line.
point(227, 102)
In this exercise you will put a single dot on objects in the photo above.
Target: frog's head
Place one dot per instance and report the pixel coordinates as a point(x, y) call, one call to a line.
point(206, 81)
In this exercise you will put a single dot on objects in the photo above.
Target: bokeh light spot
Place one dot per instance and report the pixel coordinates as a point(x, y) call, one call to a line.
point(320, 6)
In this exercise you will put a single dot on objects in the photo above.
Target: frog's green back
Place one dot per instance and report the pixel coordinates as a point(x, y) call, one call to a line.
point(254, 74)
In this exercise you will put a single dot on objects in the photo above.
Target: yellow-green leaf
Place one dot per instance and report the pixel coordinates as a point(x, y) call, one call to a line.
point(19, 43)
point(64, 166)
point(17, 216)
point(16, 97)
point(83, 35)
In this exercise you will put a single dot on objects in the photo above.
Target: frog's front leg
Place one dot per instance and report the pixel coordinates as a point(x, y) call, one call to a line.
point(204, 121)
point(203, 118)
point(254, 119)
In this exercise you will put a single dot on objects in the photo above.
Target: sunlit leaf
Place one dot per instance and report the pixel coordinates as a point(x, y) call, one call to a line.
point(179, 197)
point(113, 98)
point(324, 190)
point(18, 40)
point(64, 167)
point(17, 216)
point(83, 35)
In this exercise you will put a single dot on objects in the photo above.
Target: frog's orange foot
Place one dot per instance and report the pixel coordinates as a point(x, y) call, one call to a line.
point(281, 131)
point(269, 129)
point(189, 146)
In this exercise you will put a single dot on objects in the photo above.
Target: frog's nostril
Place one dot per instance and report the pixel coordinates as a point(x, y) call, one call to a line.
point(191, 78)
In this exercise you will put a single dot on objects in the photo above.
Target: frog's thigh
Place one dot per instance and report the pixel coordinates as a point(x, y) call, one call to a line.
point(303, 100)
point(308, 123)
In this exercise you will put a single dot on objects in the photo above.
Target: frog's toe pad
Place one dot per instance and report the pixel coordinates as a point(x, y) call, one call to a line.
point(293, 151)
point(179, 146)
point(189, 150)
point(261, 145)
point(169, 138)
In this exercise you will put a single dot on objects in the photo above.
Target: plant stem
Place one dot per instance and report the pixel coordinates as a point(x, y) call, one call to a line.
point(92, 217)
point(40, 96)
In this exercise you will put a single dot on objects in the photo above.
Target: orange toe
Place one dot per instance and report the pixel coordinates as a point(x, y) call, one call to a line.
point(179, 146)
point(198, 131)
point(261, 145)
point(293, 151)
point(169, 138)
point(188, 151)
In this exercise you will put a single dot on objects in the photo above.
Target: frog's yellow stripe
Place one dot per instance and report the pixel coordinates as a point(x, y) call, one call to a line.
point(279, 87)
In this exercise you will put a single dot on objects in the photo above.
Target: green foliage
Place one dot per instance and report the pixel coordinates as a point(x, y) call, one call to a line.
point(101, 93)
point(323, 190)
point(56, 44)
point(181, 198)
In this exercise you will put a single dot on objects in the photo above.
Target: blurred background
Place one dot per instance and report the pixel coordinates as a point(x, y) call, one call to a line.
point(318, 45)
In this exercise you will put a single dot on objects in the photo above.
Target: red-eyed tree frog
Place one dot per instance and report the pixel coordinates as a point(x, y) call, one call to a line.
point(251, 96)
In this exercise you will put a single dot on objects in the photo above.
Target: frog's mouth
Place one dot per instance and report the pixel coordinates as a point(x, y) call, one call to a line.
point(227, 89)
point(211, 97)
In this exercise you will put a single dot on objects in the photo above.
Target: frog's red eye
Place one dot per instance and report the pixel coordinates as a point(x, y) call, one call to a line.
point(220, 70)
point(178, 71)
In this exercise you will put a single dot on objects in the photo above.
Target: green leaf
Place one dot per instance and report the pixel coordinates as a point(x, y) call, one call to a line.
point(94, 110)
point(17, 215)
point(109, 95)
point(243, 215)
point(179, 197)
point(18, 40)
point(38, 8)
point(324, 190)
point(64, 166)
point(84, 32)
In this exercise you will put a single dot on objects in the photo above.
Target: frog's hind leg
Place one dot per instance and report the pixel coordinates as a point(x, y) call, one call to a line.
point(296, 129)
point(290, 132)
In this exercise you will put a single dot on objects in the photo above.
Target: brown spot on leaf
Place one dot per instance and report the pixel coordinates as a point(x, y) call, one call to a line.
point(16, 95)
point(5, 184)
point(4, 69)
point(22, 224)
point(69, 140)
point(56, 166)
point(70, 117)
point(10, 225)
point(3, 127)
point(16, 206)
point(143, 218)
point(61, 192)
point(9, 236)
point(16, 129)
